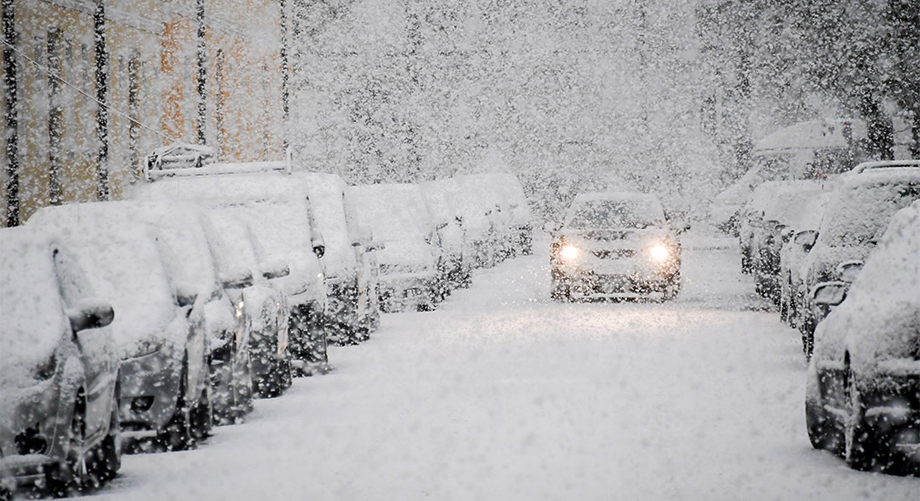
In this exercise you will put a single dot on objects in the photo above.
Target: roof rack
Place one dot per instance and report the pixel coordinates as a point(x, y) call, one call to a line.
point(885, 164)
point(181, 160)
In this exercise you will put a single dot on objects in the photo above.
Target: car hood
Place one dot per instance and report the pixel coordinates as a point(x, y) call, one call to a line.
point(414, 252)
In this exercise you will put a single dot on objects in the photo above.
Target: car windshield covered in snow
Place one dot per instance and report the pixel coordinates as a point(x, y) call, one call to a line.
point(860, 213)
point(624, 213)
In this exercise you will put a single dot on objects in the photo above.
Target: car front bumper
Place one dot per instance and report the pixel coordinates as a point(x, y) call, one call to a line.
point(149, 392)
point(32, 436)
point(404, 292)
point(892, 405)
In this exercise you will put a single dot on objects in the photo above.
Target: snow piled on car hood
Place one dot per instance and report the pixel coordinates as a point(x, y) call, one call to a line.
point(393, 211)
point(33, 319)
point(412, 252)
point(880, 319)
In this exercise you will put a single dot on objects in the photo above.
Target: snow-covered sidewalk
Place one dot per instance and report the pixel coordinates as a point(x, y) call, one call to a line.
point(502, 394)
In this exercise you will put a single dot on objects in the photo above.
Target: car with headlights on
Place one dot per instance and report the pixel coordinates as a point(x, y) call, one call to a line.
point(855, 218)
point(409, 276)
point(862, 397)
point(615, 245)
point(58, 370)
point(159, 335)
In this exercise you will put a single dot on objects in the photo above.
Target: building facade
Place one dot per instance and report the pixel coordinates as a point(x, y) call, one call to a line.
point(91, 86)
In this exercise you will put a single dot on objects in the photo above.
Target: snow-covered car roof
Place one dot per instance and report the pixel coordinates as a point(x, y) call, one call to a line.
point(885, 164)
point(861, 208)
point(792, 203)
point(242, 247)
point(124, 263)
point(185, 229)
point(276, 207)
point(441, 195)
point(394, 211)
point(880, 318)
point(33, 311)
point(814, 134)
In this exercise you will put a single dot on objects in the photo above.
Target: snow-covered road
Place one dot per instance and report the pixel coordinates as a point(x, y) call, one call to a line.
point(502, 394)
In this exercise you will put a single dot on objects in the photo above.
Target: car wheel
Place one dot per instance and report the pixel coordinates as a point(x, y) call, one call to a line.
point(672, 290)
point(109, 461)
point(77, 471)
point(823, 432)
point(177, 434)
point(201, 419)
point(862, 445)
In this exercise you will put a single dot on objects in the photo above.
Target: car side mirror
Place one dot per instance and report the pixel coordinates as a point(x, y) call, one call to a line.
point(238, 280)
point(276, 269)
point(786, 234)
point(186, 295)
point(90, 314)
point(830, 293)
point(806, 239)
point(374, 246)
point(847, 271)
point(319, 244)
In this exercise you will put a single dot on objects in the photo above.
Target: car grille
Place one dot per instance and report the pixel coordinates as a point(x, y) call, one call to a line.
point(614, 253)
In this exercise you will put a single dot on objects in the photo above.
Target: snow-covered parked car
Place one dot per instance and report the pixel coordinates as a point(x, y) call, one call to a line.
point(788, 204)
point(260, 302)
point(279, 214)
point(799, 239)
point(351, 285)
point(517, 208)
point(855, 218)
point(457, 263)
point(58, 370)
point(615, 245)
point(863, 386)
point(399, 215)
point(159, 335)
point(197, 264)
point(478, 218)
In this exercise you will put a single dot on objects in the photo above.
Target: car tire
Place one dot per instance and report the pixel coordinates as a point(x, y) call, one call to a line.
point(822, 432)
point(73, 473)
point(201, 418)
point(561, 292)
point(177, 434)
point(862, 447)
point(109, 461)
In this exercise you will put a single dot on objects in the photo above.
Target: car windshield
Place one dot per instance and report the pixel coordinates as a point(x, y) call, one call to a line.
point(598, 214)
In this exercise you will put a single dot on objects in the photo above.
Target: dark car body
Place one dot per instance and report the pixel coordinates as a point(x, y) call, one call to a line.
point(863, 385)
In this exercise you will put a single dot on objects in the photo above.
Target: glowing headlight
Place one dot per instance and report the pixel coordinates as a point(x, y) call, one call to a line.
point(239, 309)
point(569, 251)
point(659, 253)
